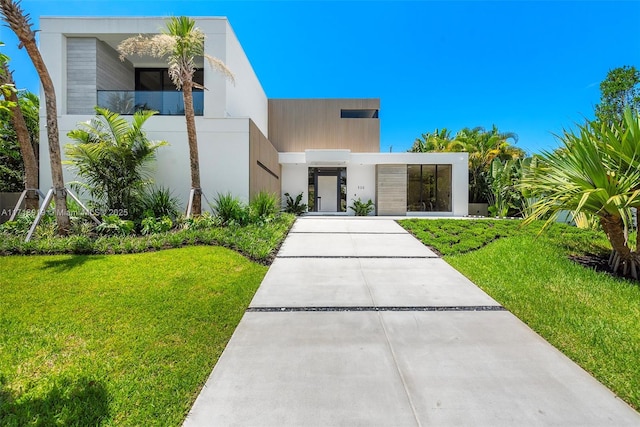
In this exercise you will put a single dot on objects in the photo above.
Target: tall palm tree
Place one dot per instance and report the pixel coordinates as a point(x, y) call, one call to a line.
point(180, 44)
point(22, 135)
point(20, 23)
point(591, 176)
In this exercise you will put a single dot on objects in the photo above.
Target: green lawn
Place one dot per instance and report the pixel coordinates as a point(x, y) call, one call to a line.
point(117, 339)
point(591, 317)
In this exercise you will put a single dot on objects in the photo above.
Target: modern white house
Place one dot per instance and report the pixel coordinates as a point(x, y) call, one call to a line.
point(327, 149)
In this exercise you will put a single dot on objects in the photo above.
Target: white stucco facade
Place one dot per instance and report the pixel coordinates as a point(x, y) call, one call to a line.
point(80, 53)
point(361, 174)
point(223, 129)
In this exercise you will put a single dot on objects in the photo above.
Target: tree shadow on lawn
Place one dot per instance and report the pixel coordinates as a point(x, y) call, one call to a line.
point(78, 402)
point(70, 262)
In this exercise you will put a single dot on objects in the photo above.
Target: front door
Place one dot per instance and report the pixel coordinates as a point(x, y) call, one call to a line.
point(327, 193)
point(327, 189)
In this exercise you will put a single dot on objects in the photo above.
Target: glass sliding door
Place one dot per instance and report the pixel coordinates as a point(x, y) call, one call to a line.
point(428, 188)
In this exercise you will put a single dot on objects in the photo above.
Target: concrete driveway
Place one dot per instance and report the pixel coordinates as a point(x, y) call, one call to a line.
point(358, 324)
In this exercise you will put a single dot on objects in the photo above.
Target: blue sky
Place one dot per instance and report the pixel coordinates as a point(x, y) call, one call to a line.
point(532, 68)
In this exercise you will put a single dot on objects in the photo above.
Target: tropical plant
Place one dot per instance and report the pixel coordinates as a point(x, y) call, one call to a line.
point(115, 225)
point(152, 225)
point(593, 175)
point(361, 208)
point(437, 141)
point(202, 222)
point(180, 44)
point(505, 196)
point(230, 210)
point(484, 146)
point(295, 206)
point(264, 206)
point(158, 202)
point(20, 23)
point(112, 155)
point(618, 91)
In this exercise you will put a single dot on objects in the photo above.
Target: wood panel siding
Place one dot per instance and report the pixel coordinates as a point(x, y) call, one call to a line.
point(264, 169)
point(81, 75)
point(296, 125)
point(112, 73)
point(391, 189)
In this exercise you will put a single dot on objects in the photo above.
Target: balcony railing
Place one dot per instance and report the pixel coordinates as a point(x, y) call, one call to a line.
point(166, 103)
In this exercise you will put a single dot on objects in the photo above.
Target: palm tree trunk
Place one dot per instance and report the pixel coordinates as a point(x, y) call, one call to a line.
point(14, 16)
point(613, 227)
point(24, 141)
point(189, 114)
point(637, 224)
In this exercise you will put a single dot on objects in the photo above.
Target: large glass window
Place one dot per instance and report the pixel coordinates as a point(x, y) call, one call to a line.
point(429, 188)
point(156, 91)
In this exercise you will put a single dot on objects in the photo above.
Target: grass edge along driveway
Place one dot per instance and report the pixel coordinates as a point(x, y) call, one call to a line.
point(117, 339)
point(590, 316)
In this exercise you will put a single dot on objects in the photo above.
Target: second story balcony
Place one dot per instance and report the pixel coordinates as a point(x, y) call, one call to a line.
point(166, 103)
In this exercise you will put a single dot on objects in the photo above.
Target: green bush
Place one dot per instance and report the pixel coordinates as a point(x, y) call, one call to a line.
point(151, 225)
point(360, 208)
point(295, 206)
point(204, 221)
point(160, 202)
point(263, 207)
point(230, 210)
point(114, 225)
point(110, 156)
point(256, 241)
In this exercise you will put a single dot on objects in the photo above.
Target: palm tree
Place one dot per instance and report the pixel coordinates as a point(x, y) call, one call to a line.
point(111, 155)
point(592, 176)
point(22, 134)
point(20, 23)
point(484, 146)
point(436, 141)
point(180, 44)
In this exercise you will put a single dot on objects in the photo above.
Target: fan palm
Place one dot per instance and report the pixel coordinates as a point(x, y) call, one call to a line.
point(592, 175)
point(111, 155)
point(180, 44)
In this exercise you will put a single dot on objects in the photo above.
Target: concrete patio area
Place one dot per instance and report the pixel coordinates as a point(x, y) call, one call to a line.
point(358, 324)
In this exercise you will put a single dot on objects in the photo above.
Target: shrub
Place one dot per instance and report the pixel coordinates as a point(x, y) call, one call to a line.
point(263, 206)
point(160, 202)
point(202, 222)
point(296, 206)
point(230, 210)
point(114, 225)
point(111, 155)
point(151, 225)
point(360, 208)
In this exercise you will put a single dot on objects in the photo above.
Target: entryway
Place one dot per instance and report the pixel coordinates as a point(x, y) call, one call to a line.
point(327, 189)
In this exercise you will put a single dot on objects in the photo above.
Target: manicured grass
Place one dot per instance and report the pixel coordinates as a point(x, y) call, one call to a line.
point(118, 339)
point(591, 317)
point(256, 241)
point(450, 237)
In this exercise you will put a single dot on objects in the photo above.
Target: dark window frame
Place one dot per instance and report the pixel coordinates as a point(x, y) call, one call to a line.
point(359, 113)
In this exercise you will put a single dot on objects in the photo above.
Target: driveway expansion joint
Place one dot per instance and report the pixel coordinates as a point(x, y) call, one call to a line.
point(374, 309)
point(361, 256)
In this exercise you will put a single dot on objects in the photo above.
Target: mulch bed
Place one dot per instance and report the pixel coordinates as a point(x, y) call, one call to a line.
point(594, 262)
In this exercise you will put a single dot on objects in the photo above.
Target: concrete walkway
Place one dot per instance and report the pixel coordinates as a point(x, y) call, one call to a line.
point(358, 324)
